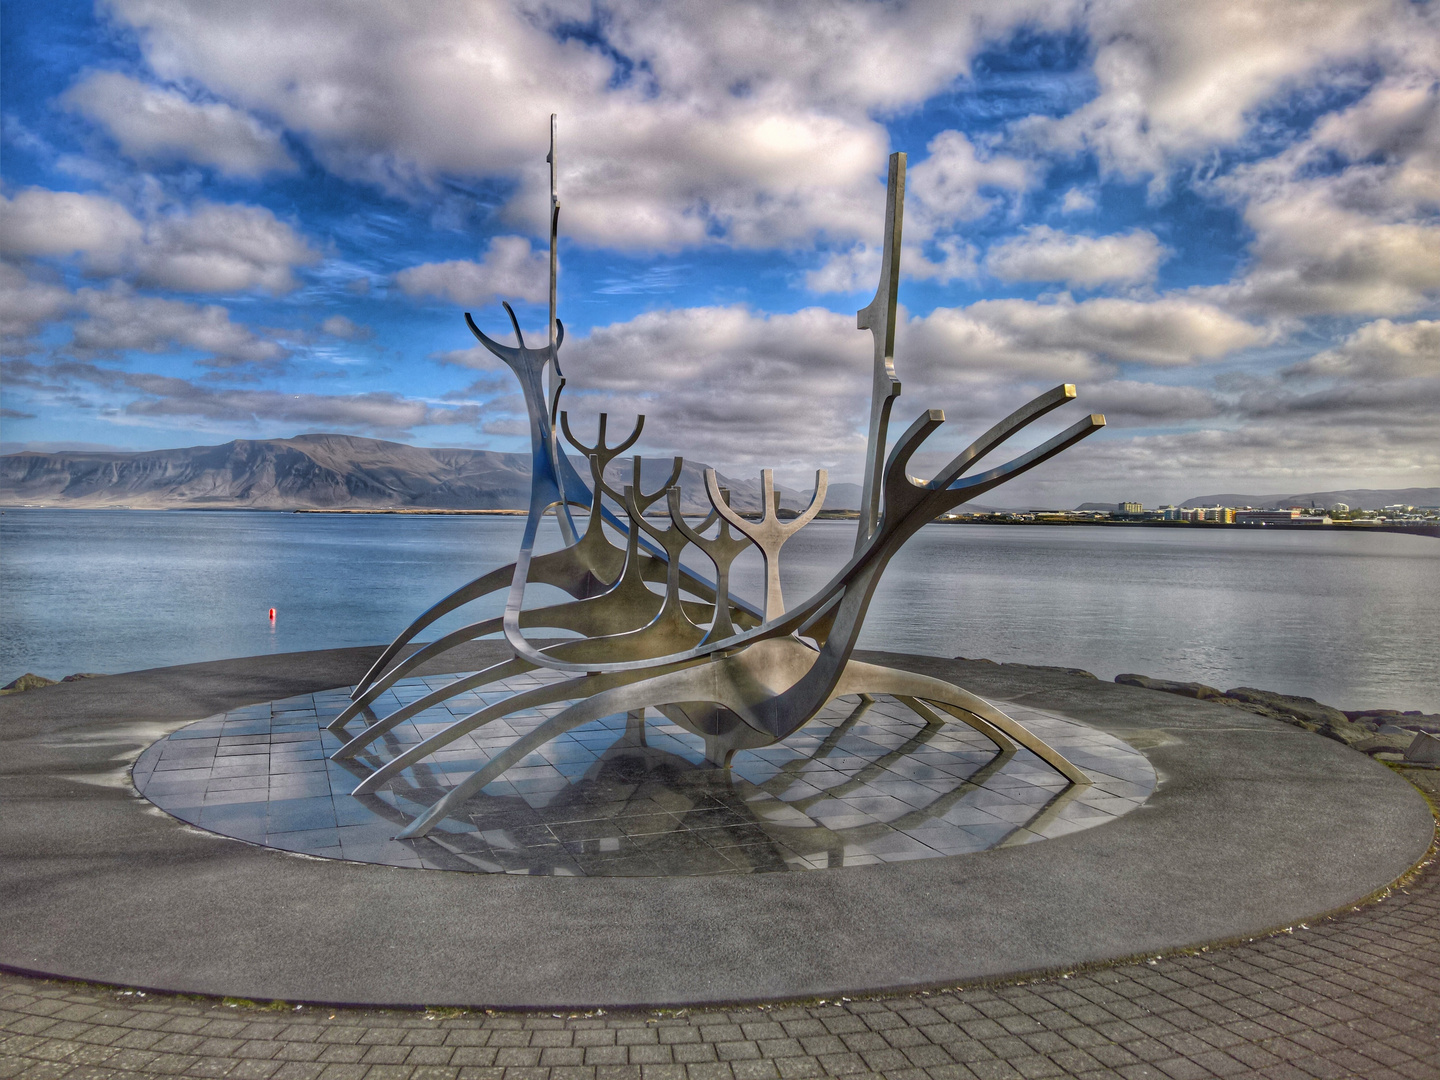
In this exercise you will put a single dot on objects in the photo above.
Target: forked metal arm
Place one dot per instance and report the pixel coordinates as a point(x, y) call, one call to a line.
point(722, 550)
point(769, 533)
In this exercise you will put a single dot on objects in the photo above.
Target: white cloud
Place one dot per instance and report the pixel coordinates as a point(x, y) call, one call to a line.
point(957, 260)
point(117, 319)
point(215, 248)
point(1128, 403)
point(508, 268)
point(341, 327)
point(1275, 455)
point(149, 395)
point(1313, 256)
point(1381, 350)
point(728, 385)
point(1344, 220)
point(1046, 254)
point(850, 54)
point(209, 247)
point(155, 124)
point(1077, 201)
point(745, 124)
point(745, 389)
point(846, 271)
point(858, 268)
point(1074, 340)
point(41, 222)
point(25, 304)
point(1398, 121)
point(948, 184)
point(1176, 80)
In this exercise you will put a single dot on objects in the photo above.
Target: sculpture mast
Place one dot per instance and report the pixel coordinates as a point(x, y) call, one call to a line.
point(879, 318)
point(557, 380)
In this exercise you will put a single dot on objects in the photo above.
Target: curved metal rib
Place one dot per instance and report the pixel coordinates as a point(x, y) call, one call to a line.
point(481, 586)
point(382, 726)
point(721, 550)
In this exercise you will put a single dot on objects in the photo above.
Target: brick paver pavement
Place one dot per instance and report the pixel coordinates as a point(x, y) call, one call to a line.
point(1355, 995)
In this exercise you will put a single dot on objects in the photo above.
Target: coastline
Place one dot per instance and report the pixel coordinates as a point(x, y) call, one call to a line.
point(1432, 530)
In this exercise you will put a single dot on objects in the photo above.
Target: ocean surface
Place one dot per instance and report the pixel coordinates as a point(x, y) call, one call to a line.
point(1352, 620)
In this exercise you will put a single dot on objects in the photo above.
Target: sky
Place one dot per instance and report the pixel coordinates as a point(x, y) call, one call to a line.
point(254, 220)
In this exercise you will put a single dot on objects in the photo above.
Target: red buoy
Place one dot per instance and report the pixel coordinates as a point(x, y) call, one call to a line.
point(272, 614)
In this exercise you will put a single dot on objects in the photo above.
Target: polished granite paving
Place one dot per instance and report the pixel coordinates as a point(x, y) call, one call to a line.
point(864, 782)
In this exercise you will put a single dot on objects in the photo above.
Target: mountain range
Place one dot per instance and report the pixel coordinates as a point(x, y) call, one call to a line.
point(327, 472)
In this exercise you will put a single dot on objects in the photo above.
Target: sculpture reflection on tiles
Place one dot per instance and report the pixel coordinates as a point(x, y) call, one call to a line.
point(738, 675)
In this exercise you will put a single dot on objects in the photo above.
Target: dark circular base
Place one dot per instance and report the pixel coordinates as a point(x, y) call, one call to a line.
point(1254, 825)
point(865, 782)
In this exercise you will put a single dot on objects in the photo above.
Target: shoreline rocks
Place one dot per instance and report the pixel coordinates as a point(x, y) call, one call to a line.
point(31, 681)
point(1386, 732)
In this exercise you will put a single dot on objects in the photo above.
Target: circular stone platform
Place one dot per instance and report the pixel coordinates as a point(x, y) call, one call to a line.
point(1253, 825)
point(866, 781)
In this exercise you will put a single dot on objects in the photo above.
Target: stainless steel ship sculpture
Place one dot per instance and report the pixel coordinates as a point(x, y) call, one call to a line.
point(736, 674)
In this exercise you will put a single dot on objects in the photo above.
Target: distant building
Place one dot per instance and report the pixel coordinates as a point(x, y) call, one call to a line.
point(1130, 508)
point(1221, 514)
point(1339, 508)
point(1266, 517)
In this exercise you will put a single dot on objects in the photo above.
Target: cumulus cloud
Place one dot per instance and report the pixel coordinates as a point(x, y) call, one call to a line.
point(508, 268)
point(118, 319)
point(750, 123)
point(214, 248)
point(1176, 80)
point(1313, 255)
point(1393, 404)
point(1078, 339)
point(858, 268)
point(42, 222)
point(209, 247)
point(144, 394)
point(739, 387)
point(1077, 201)
point(151, 123)
point(1129, 403)
point(728, 384)
point(1344, 220)
point(346, 330)
point(948, 184)
point(1045, 254)
point(26, 304)
point(1380, 350)
point(1277, 454)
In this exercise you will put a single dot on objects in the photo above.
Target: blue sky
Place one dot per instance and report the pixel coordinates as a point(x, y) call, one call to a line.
point(1218, 219)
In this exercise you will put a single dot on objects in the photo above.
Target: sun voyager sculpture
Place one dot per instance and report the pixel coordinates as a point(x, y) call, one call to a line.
point(737, 674)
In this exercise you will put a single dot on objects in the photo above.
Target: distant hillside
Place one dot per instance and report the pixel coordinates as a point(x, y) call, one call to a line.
point(1355, 498)
point(312, 471)
point(324, 472)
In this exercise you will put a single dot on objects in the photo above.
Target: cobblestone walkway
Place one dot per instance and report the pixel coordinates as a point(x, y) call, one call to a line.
point(1357, 995)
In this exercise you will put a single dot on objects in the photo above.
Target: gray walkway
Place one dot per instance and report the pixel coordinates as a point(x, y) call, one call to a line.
point(1357, 995)
point(1255, 825)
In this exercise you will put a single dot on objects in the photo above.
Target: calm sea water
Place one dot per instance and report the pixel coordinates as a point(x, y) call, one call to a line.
point(1353, 620)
